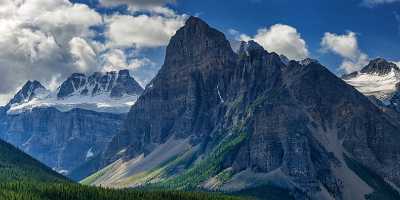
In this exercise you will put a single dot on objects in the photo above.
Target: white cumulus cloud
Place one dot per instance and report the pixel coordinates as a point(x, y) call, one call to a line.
point(83, 54)
point(139, 5)
point(346, 46)
point(47, 40)
point(282, 39)
point(142, 30)
point(35, 39)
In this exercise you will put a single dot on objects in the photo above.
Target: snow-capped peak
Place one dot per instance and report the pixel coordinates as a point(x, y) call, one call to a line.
point(112, 83)
point(31, 90)
point(113, 92)
point(380, 67)
point(378, 78)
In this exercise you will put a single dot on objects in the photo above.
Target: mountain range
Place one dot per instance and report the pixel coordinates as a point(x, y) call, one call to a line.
point(219, 120)
point(71, 126)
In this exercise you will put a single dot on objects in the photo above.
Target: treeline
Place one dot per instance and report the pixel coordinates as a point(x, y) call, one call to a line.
point(71, 191)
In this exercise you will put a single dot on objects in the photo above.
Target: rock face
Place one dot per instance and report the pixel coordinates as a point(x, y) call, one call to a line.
point(61, 140)
point(64, 129)
point(114, 84)
point(30, 90)
point(218, 120)
point(395, 100)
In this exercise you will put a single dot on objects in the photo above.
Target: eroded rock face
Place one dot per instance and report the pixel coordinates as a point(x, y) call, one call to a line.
point(111, 83)
point(298, 118)
point(61, 140)
point(395, 100)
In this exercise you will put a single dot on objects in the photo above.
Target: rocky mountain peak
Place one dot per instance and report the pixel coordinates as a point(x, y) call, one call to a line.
point(30, 90)
point(380, 67)
point(217, 112)
point(308, 61)
point(195, 42)
point(250, 47)
point(115, 83)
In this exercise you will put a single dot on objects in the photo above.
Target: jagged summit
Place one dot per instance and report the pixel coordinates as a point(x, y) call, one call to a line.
point(30, 90)
point(196, 22)
point(197, 39)
point(101, 91)
point(380, 67)
point(250, 47)
point(115, 84)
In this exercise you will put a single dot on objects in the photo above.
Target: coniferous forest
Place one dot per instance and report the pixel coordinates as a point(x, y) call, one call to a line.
point(72, 191)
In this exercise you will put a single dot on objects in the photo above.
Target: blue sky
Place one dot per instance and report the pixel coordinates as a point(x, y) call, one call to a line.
point(56, 38)
point(377, 29)
point(376, 25)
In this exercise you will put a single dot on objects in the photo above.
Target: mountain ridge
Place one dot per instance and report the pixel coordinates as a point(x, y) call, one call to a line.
point(238, 121)
point(112, 92)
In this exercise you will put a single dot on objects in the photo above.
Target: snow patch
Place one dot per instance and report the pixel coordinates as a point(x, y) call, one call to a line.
point(89, 154)
point(219, 94)
point(99, 103)
point(382, 87)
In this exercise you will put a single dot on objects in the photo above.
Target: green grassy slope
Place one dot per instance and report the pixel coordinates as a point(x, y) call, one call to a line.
point(18, 166)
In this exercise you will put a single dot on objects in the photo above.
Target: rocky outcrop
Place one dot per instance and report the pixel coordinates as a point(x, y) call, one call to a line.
point(218, 120)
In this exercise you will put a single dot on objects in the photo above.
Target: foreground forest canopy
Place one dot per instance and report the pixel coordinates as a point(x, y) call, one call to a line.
point(70, 191)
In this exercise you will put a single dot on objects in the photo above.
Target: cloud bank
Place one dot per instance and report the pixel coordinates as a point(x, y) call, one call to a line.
point(48, 40)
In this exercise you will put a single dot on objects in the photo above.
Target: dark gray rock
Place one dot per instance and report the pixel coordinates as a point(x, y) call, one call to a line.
point(291, 114)
point(379, 66)
point(69, 86)
point(125, 84)
point(395, 100)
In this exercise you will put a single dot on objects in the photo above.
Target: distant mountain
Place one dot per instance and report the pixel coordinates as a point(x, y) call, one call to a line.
point(378, 79)
point(218, 120)
point(31, 90)
point(112, 84)
point(110, 92)
point(71, 126)
point(17, 166)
